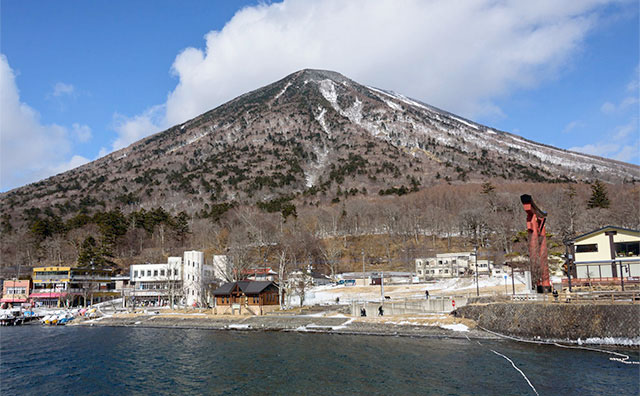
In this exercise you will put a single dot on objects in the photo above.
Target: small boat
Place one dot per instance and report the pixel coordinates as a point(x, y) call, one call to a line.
point(64, 319)
point(6, 319)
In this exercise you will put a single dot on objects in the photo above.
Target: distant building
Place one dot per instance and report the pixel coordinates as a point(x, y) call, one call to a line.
point(310, 278)
point(606, 254)
point(450, 265)
point(185, 280)
point(260, 274)
point(121, 282)
point(57, 286)
point(198, 278)
point(157, 284)
point(15, 291)
point(246, 297)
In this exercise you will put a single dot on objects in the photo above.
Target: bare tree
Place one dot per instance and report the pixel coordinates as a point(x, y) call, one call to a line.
point(331, 250)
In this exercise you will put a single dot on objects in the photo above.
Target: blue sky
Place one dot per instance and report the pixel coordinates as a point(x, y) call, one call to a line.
point(81, 79)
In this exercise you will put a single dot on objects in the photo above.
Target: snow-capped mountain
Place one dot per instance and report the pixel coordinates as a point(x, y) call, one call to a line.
point(315, 135)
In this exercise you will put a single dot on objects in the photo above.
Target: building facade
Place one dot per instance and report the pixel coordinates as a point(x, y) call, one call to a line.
point(246, 297)
point(157, 284)
point(182, 280)
point(15, 291)
point(68, 286)
point(198, 279)
point(607, 254)
point(450, 265)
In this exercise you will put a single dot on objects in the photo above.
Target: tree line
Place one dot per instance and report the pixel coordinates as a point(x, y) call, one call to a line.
point(387, 232)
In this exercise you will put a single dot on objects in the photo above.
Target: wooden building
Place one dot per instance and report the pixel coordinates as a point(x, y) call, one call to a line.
point(246, 297)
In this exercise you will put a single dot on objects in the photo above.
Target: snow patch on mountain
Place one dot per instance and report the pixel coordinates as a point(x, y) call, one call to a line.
point(323, 124)
point(465, 122)
point(283, 91)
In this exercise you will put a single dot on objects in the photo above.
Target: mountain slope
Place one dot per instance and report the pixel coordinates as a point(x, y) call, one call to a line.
point(316, 135)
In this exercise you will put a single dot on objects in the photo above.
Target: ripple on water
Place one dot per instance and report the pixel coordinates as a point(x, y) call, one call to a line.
point(102, 360)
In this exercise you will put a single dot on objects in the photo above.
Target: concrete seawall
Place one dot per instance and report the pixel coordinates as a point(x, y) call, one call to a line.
point(557, 321)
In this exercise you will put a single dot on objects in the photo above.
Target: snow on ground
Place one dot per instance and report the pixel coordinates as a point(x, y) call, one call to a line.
point(283, 91)
point(454, 327)
point(323, 295)
point(611, 341)
point(238, 326)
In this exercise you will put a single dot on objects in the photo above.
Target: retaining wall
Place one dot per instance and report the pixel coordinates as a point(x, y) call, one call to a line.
point(557, 321)
point(401, 307)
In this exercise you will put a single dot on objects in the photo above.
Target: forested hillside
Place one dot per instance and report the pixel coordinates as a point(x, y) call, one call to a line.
point(390, 231)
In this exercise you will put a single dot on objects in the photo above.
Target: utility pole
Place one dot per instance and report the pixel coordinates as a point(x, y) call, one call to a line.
point(382, 286)
point(475, 253)
point(569, 260)
point(513, 282)
point(363, 279)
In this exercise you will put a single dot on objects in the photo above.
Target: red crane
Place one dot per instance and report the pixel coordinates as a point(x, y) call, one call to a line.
point(536, 219)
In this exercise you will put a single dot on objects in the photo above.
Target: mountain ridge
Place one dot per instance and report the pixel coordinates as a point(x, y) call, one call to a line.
point(315, 135)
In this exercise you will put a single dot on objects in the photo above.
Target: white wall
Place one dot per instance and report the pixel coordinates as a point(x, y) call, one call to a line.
point(197, 276)
point(154, 272)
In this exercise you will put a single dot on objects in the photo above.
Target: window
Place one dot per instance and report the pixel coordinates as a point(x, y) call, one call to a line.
point(155, 272)
point(627, 249)
point(135, 274)
point(148, 272)
point(589, 248)
point(175, 272)
point(161, 272)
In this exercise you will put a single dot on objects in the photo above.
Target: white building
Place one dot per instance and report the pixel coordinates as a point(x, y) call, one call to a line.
point(606, 254)
point(181, 280)
point(157, 283)
point(449, 265)
point(197, 277)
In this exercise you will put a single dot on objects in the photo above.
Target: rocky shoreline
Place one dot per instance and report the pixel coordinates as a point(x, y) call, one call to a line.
point(398, 327)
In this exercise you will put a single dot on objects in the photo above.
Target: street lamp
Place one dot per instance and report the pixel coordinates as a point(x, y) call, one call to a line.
point(475, 253)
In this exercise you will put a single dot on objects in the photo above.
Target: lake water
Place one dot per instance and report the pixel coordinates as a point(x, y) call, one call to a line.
point(38, 360)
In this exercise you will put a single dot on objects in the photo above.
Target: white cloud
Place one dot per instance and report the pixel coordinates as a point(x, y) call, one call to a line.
point(611, 108)
point(608, 108)
point(29, 150)
point(103, 151)
point(572, 125)
point(602, 149)
point(135, 128)
point(61, 89)
point(624, 131)
point(74, 162)
point(456, 55)
point(82, 132)
point(634, 84)
point(624, 146)
point(627, 153)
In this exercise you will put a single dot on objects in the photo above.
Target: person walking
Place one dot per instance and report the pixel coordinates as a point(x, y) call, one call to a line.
point(380, 311)
point(426, 292)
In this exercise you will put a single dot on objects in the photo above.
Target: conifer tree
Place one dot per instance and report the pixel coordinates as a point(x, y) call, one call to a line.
point(599, 196)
